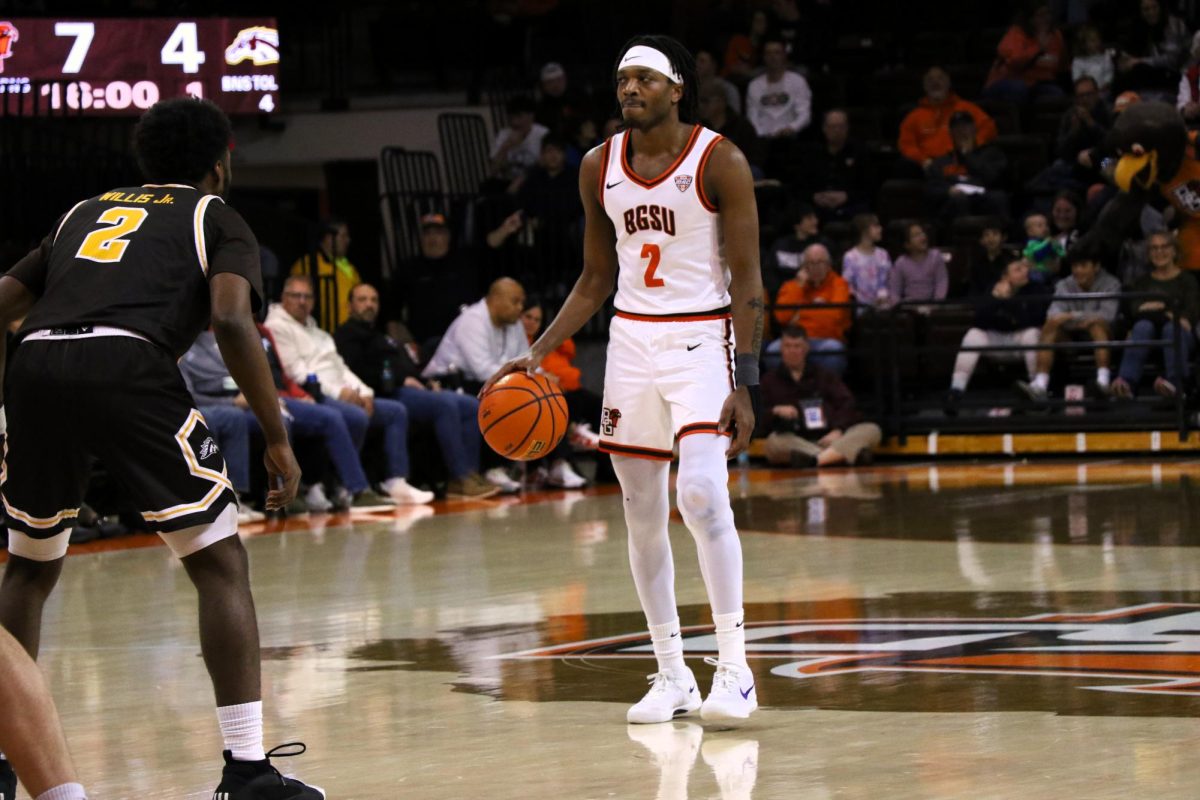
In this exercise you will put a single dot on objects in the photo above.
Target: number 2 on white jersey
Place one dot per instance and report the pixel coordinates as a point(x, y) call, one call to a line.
point(652, 252)
point(107, 245)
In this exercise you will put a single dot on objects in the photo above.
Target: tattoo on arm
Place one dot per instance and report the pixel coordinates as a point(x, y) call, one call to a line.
point(756, 303)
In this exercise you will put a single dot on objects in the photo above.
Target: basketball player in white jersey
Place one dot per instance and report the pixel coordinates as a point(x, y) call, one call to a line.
point(671, 219)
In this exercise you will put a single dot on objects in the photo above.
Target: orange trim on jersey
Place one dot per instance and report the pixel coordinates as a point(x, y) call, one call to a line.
point(612, 448)
point(650, 184)
point(702, 427)
point(704, 201)
point(702, 316)
point(603, 170)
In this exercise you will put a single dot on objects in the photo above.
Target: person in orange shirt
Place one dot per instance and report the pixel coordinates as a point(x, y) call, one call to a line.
point(1029, 59)
point(925, 132)
point(815, 282)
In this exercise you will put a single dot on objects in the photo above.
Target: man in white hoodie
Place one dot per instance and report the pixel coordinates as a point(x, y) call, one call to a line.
point(307, 352)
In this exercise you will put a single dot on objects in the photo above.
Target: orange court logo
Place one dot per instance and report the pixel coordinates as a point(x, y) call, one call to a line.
point(9, 35)
point(1150, 649)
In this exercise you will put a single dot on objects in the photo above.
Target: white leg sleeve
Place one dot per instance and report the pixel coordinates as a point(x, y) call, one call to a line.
point(702, 492)
point(194, 539)
point(644, 487)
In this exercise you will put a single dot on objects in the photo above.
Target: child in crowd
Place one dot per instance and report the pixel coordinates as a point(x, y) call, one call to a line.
point(989, 258)
point(919, 274)
point(1042, 251)
point(1091, 58)
point(866, 266)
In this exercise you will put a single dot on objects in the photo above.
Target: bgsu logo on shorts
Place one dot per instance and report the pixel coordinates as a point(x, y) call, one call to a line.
point(609, 419)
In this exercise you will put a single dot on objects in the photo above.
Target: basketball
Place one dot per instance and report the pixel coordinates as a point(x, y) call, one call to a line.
point(523, 417)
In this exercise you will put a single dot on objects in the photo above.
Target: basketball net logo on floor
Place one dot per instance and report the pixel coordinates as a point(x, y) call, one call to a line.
point(1155, 644)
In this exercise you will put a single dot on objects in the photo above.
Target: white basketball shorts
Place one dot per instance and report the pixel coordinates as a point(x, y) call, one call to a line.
point(666, 377)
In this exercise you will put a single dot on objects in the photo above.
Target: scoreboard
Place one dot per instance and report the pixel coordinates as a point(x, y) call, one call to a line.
point(124, 66)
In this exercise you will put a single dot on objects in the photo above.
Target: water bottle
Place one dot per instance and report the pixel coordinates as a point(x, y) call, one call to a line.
point(313, 387)
point(387, 379)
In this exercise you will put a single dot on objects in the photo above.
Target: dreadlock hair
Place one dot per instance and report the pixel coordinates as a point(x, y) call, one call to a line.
point(681, 59)
point(179, 140)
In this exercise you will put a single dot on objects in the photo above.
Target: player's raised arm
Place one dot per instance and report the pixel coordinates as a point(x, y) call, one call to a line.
point(728, 181)
point(595, 282)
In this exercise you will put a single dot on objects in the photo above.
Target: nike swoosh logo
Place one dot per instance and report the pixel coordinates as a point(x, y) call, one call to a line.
point(611, 185)
point(738, 625)
point(746, 694)
point(692, 347)
point(673, 635)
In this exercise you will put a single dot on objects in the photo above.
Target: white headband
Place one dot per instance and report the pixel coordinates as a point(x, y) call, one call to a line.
point(642, 56)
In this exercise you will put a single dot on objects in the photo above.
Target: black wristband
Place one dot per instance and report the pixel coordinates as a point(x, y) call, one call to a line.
point(745, 370)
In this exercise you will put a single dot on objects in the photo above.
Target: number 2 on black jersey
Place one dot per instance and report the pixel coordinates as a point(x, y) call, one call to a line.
point(107, 245)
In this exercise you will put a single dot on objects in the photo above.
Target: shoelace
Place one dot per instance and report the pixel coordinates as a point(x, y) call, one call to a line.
point(660, 682)
point(726, 676)
point(282, 751)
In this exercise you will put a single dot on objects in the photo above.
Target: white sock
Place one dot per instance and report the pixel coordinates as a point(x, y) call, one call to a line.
point(668, 646)
point(242, 730)
point(1042, 380)
point(958, 382)
point(731, 637)
point(64, 791)
point(1103, 376)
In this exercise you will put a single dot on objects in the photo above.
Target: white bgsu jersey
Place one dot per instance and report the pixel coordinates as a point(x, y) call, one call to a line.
point(669, 246)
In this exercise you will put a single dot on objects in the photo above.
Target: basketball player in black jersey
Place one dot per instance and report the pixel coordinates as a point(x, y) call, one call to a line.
point(112, 297)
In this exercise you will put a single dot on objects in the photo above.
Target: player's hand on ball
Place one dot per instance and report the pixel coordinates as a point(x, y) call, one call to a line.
point(283, 475)
point(737, 416)
point(528, 362)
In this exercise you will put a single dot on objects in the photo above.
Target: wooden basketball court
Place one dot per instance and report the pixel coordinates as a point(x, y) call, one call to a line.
point(995, 630)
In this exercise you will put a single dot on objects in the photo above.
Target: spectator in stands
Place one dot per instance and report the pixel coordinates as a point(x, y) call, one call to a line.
point(716, 114)
point(1041, 251)
point(816, 283)
point(560, 104)
point(920, 274)
point(867, 267)
point(581, 138)
point(836, 175)
point(1011, 315)
point(1081, 130)
point(1154, 47)
point(1030, 57)
point(968, 179)
point(583, 405)
point(484, 336)
point(778, 105)
point(1187, 99)
point(208, 379)
point(550, 202)
point(1064, 216)
point(309, 356)
point(706, 73)
point(988, 258)
point(432, 287)
point(810, 416)
point(389, 370)
point(1155, 319)
point(925, 131)
point(1070, 316)
point(331, 266)
point(1092, 59)
point(744, 51)
point(518, 146)
point(785, 254)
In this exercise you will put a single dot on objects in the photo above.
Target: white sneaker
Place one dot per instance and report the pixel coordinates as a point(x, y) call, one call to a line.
point(734, 764)
point(246, 515)
point(405, 493)
point(672, 694)
point(733, 696)
point(561, 476)
point(498, 476)
point(316, 500)
point(583, 438)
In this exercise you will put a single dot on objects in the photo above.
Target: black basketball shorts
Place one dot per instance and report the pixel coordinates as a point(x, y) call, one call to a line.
point(117, 399)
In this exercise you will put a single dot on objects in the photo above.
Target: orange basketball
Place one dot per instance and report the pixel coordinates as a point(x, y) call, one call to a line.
point(523, 416)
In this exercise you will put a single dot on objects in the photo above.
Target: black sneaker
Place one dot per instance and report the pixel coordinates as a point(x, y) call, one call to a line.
point(258, 780)
point(8, 781)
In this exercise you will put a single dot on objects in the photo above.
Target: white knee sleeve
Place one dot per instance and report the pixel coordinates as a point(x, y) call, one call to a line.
point(51, 549)
point(645, 493)
point(702, 492)
point(194, 539)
